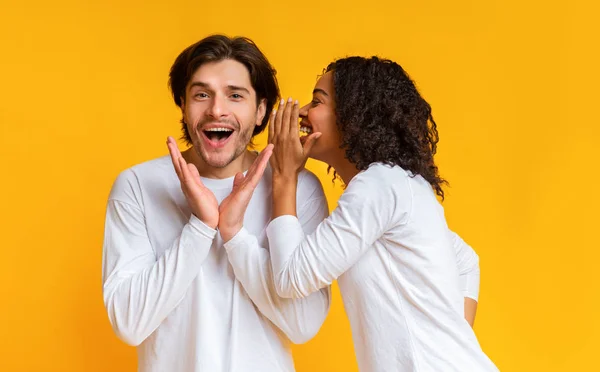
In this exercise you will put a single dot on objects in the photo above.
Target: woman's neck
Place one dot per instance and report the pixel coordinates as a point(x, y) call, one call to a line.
point(344, 168)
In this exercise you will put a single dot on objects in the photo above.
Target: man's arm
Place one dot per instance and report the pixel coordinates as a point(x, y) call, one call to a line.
point(140, 290)
point(299, 319)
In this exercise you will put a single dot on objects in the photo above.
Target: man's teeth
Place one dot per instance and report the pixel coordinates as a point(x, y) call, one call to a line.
point(219, 130)
point(306, 130)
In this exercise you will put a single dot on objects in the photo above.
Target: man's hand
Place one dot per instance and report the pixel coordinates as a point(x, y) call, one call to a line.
point(201, 200)
point(233, 207)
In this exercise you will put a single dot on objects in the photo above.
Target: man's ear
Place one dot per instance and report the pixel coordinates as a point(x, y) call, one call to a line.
point(261, 111)
point(182, 105)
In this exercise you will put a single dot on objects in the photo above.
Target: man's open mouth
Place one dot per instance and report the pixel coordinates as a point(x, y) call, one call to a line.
point(217, 134)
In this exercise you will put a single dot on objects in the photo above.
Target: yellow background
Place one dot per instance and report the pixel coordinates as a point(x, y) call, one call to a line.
point(513, 86)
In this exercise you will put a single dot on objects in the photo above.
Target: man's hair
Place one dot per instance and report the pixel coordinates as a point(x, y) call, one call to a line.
point(383, 118)
point(217, 48)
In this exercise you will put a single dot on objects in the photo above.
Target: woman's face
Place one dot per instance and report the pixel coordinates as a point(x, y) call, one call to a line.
point(319, 116)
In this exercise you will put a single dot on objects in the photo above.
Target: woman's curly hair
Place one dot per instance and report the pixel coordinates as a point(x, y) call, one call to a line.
point(383, 118)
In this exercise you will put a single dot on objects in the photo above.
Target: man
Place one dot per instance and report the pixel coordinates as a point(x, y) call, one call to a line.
point(169, 288)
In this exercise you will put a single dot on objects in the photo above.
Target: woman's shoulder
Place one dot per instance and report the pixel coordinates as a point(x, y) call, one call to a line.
point(383, 189)
point(381, 175)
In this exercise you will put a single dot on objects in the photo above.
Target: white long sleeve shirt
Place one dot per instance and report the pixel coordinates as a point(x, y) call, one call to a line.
point(170, 290)
point(389, 246)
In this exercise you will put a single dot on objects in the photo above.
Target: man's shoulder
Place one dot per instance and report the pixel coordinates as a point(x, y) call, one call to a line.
point(308, 180)
point(132, 180)
point(158, 166)
point(309, 187)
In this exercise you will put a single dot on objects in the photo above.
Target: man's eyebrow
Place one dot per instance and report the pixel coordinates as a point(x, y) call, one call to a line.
point(234, 87)
point(207, 86)
point(199, 84)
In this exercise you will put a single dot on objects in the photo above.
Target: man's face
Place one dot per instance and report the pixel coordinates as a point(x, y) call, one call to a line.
point(220, 111)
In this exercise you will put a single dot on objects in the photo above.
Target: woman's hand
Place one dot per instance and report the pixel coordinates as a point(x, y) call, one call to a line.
point(289, 155)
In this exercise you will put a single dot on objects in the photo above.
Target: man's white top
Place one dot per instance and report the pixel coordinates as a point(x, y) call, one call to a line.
point(395, 259)
point(170, 290)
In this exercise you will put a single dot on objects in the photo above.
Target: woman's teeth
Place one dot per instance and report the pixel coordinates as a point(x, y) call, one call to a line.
point(306, 130)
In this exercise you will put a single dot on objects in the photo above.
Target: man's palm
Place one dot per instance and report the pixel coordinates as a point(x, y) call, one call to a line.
point(201, 200)
point(233, 207)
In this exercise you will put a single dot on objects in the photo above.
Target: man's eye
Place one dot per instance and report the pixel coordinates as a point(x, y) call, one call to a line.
point(201, 95)
point(236, 96)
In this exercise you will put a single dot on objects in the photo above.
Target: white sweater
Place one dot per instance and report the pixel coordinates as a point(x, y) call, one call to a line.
point(388, 245)
point(170, 290)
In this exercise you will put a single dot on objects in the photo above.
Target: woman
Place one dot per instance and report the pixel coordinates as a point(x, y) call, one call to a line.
point(387, 242)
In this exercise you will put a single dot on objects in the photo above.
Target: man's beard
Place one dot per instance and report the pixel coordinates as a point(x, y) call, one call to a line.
point(243, 139)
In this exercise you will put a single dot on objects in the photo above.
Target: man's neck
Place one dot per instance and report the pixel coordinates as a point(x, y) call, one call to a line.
point(239, 164)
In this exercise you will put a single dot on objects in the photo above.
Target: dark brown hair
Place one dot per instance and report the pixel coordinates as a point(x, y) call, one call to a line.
point(383, 118)
point(216, 48)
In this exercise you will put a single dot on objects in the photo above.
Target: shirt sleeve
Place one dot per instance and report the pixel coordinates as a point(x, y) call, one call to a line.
point(140, 289)
point(467, 262)
point(299, 319)
point(303, 265)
